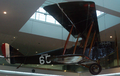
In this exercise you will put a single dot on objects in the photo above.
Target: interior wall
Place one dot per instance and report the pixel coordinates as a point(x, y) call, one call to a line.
point(41, 28)
point(106, 21)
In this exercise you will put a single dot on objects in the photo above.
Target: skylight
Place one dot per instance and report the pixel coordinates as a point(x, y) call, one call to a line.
point(42, 15)
point(99, 13)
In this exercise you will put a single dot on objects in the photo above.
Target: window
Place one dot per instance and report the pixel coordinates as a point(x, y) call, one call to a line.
point(33, 16)
point(41, 10)
point(50, 19)
point(42, 15)
point(99, 13)
point(37, 16)
point(57, 22)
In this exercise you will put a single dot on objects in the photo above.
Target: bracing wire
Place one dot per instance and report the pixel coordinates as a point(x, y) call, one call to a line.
point(88, 14)
point(66, 15)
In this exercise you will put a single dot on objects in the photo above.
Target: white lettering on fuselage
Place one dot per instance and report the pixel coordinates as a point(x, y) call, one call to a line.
point(44, 59)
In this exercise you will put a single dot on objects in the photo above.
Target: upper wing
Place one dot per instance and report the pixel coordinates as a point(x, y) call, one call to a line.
point(79, 13)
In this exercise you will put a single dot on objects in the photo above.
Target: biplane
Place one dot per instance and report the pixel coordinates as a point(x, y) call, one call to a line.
point(80, 20)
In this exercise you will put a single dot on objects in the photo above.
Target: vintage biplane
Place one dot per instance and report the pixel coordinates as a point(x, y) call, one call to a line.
point(79, 18)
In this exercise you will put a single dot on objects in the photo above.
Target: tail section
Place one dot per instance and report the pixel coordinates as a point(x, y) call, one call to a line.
point(9, 53)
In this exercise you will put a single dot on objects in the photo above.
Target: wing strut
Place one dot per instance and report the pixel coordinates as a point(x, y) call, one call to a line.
point(87, 38)
point(81, 43)
point(19, 66)
point(76, 43)
point(117, 49)
point(92, 43)
point(67, 39)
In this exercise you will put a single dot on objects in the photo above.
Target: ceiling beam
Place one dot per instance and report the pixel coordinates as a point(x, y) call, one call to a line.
point(108, 11)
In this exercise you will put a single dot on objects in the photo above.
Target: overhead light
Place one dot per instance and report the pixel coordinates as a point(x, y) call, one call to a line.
point(4, 12)
point(17, 49)
point(111, 37)
point(64, 70)
point(36, 52)
point(14, 37)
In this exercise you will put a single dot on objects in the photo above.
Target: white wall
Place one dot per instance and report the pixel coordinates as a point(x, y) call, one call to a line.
point(45, 29)
point(106, 21)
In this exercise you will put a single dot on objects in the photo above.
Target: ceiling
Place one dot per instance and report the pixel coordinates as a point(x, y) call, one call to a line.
point(19, 12)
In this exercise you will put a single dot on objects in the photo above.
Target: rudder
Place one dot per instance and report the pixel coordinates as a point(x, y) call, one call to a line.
point(9, 53)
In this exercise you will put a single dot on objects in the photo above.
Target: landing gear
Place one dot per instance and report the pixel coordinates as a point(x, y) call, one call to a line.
point(95, 69)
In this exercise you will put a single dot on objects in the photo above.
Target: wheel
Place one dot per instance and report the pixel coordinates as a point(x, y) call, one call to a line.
point(33, 70)
point(95, 69)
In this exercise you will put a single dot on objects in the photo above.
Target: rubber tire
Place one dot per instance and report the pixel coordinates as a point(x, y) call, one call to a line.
point(92, 71)
point(33, 70)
